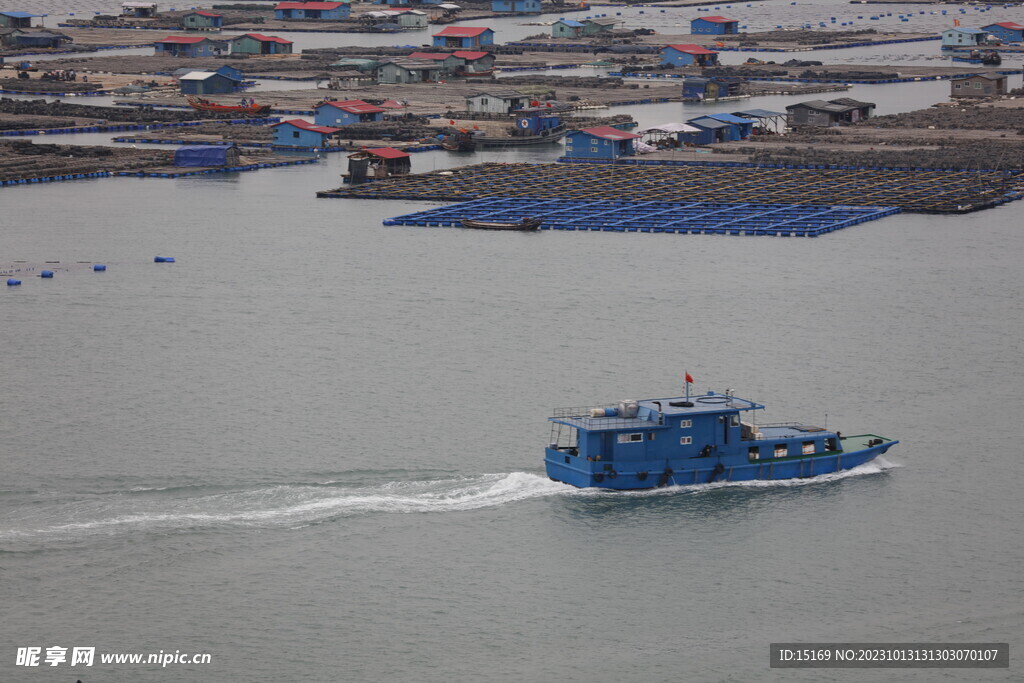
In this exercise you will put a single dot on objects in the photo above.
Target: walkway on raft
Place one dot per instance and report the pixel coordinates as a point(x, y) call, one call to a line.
point(913, 190)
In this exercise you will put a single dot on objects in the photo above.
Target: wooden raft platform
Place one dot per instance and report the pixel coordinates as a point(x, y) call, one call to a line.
point(914, 190)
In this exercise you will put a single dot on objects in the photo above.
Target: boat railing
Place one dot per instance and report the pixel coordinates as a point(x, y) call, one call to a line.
point(582, 417)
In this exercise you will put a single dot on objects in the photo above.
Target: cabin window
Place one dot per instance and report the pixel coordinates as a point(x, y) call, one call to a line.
point(295, 133)
point(830, 444)
point(650, 436)
point(781, 450)
point(978, 85)
point(686, 440)
point(593, 150)
point(956, 86)
point(807, 448)
point(753, 453)
point(735, 420)
point(631, 438)
point(483, 100)
point(593, 141)
point(685, 424)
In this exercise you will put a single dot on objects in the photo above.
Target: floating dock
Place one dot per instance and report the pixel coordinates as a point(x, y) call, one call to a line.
point(915, 190)
point(694, 218)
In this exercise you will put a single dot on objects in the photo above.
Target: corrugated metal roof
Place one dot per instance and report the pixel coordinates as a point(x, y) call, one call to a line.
point(609, 133)
point(183, 40)
point(387, 152)
point(570, 22)
point(461, 32)
point(439, 56)
point(1012, 25)
point(708, 122)
point(264, 39)
point(718, 20)
point(691, 49)
point(20, 15)
point(673, 128)
point(758, 113)
point(353, 106)
point(729, 118)
point(308, 5)
point(971, 31)
point(306, 125)
point(203, 14)
point(470, 55)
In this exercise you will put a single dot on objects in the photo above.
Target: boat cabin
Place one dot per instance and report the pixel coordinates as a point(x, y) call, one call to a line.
point(637, 440)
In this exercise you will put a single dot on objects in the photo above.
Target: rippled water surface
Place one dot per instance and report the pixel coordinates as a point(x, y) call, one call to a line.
point(312, 446)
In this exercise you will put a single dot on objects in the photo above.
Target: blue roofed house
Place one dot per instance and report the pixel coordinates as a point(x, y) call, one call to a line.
point(742, 128)
point(713, 130)
point(345, 112)
point(516, 6)
point(16, 19)
point(962, 37)
point(602, 142)
point(566, 28)
point(301, 133)
point(325, 11)
point(717, 26)
point(464, 37)
point(207, 156)
point(708, 88)
point(1006, 31)
point(47, 39)
point(207, 83)
point(688, 55)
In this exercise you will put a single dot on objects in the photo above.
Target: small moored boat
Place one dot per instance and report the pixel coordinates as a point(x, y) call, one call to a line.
point(524, 224)
point(678, 442)
point(201, 104)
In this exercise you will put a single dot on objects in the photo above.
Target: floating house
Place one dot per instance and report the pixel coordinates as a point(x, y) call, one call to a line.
point(475, 61)
point(832, 113)
point(597, 26)
point(688, 55)
point(16, 19)
point(721, 128)
point(716, 26)
point(405, 70)
point(407, 19)
point(567, 28)
point(346, 112)
point(539, 120)
point(139, 10)
point(671, 135)
point(742, 128)
point(1006, 31)
point(516, 6)
point(497, 102)
point(978, 85)
point(447, 61)
point(41, 39)
point(301, 133)
point(9, 35)
point(207, 83)
point(202, 20)
point(323, 11)
point(259, 44)
point(377, 163)
point(962, 37)
point(207, 156)
point(190, 46)
point(602, 142)
point(710, 88)
point(464, 37)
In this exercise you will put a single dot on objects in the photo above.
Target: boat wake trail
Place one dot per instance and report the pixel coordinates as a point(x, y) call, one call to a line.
point(79, 517)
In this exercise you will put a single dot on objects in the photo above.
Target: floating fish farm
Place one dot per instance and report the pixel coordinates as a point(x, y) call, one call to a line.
point(912, 190)
point(695, 218)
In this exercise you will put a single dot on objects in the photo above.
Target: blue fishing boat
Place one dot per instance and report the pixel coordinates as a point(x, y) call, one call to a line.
point(679, 442)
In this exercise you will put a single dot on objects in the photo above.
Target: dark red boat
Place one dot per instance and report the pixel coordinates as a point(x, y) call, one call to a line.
point(205, 105)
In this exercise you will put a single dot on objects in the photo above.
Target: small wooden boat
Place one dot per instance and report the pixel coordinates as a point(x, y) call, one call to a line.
point(205, 105)
point(524, 224)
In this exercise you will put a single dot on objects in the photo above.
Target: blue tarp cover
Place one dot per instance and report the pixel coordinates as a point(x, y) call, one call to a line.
point(207, 155)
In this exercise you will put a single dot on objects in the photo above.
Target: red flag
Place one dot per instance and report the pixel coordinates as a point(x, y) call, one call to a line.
point(689, 380)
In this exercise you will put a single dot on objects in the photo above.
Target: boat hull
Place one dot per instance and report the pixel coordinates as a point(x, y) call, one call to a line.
point(682, 473)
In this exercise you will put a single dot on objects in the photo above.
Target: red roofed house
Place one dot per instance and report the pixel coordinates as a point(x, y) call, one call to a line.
point(259, 44)
point(301, 133)
point(346, 112)
point(714, 26)
point(446, 60)
point(1006, 31)
point(688, 55)
point(464, 37)
point(189, 46)
point(378, 162)
point(325, 11)
point(601, 142)
point(199, 19)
